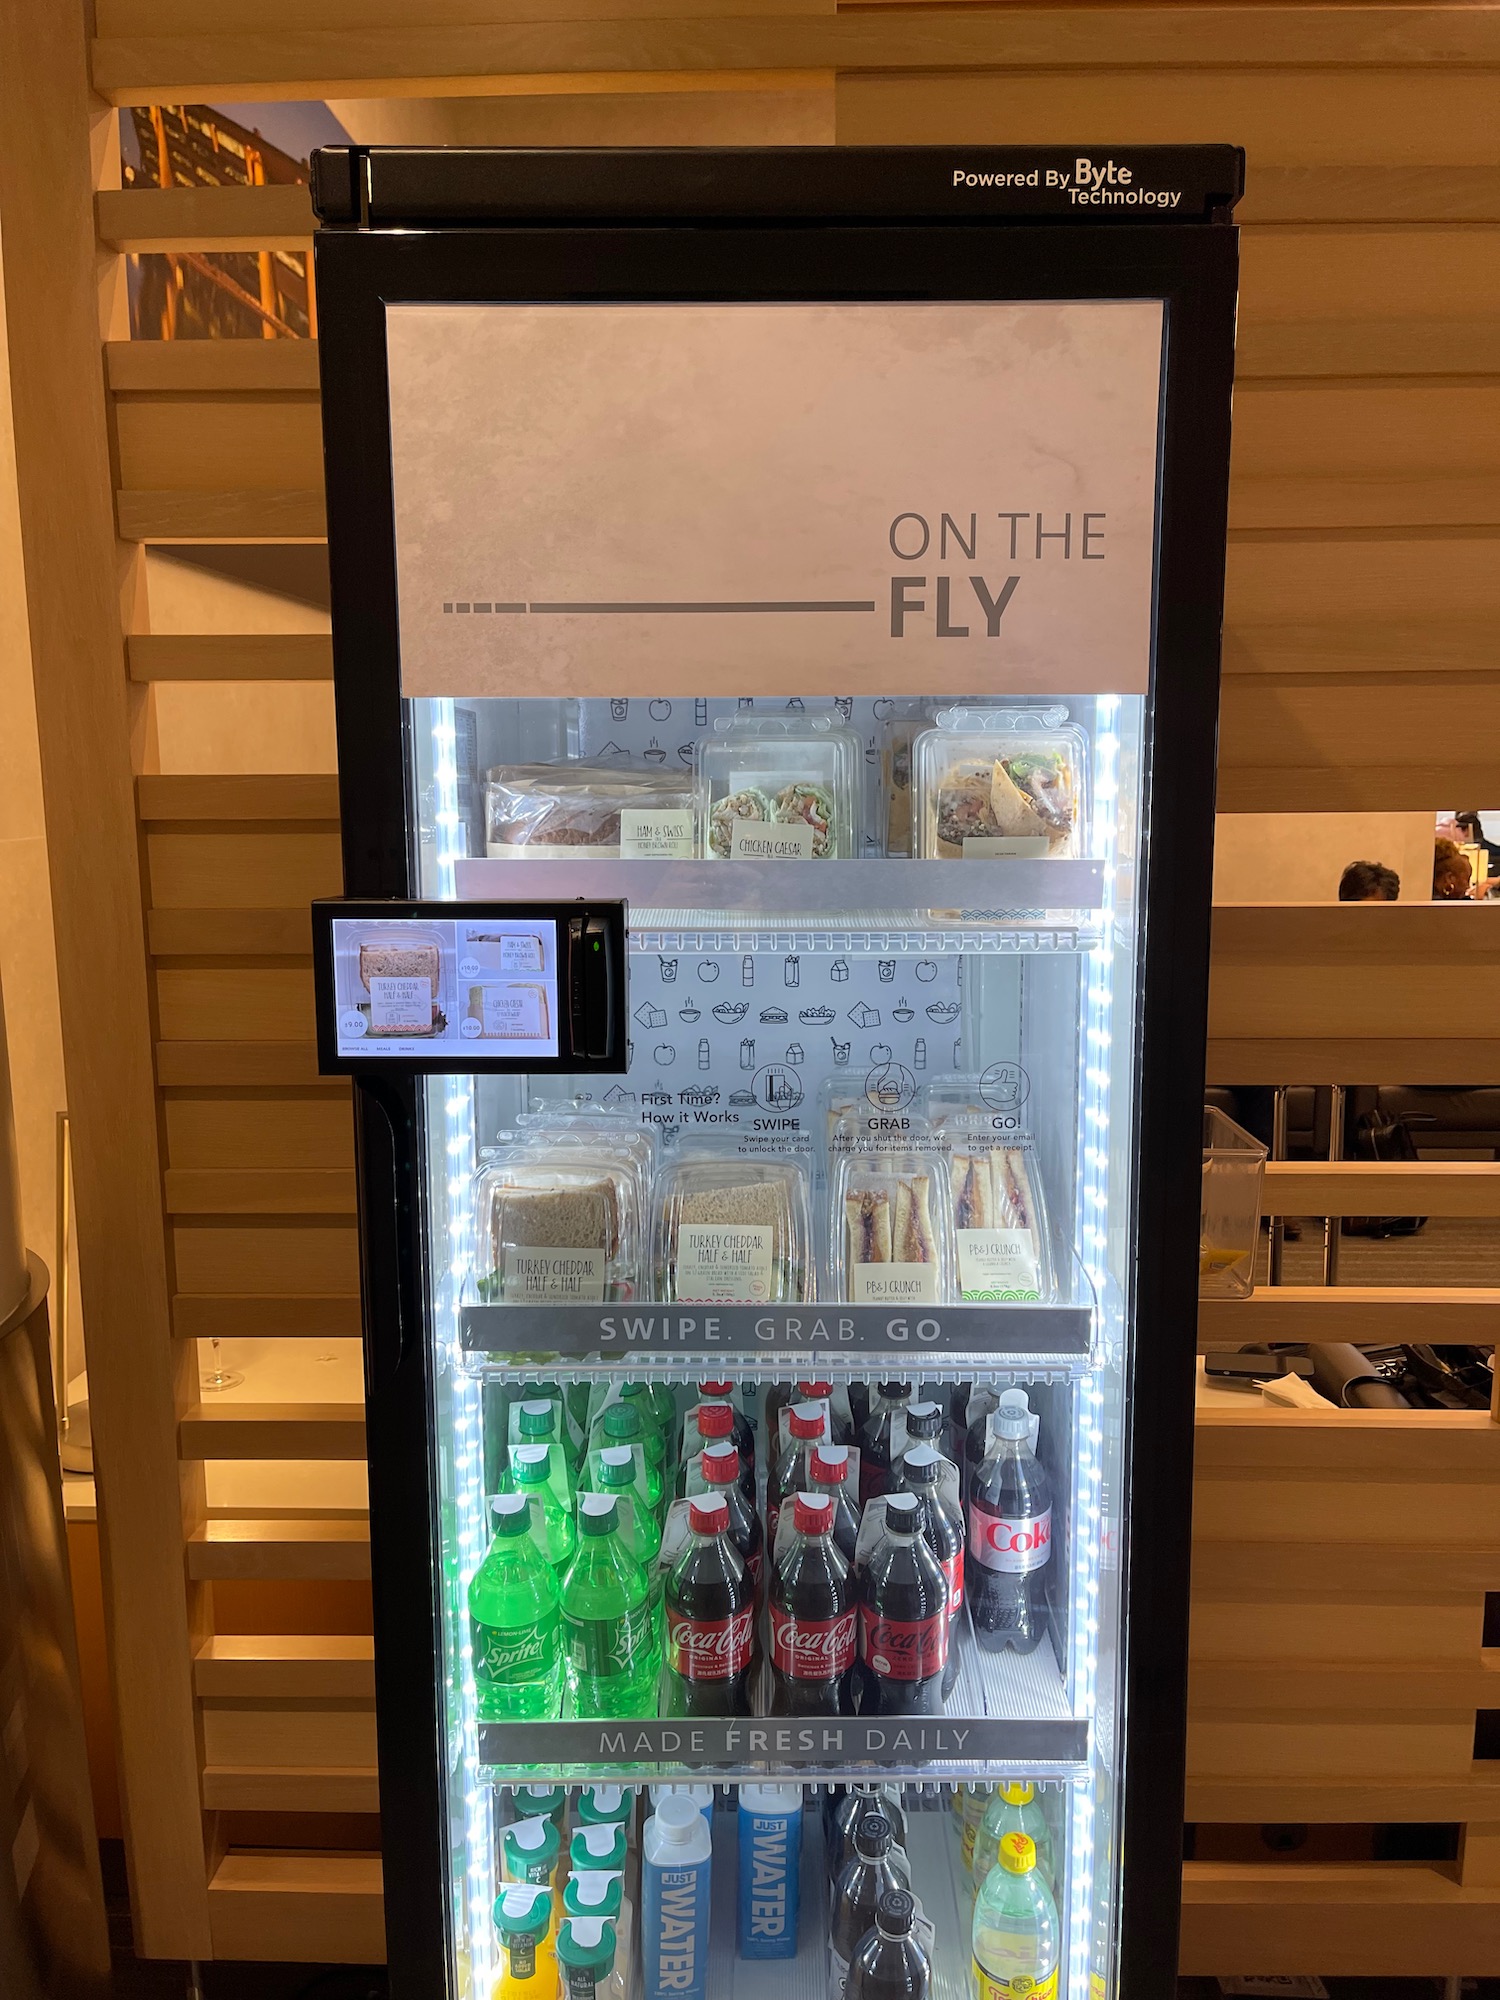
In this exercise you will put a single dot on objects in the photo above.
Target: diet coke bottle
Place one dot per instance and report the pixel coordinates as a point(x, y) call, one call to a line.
point(903, 1618)
point(1010, 1536)
point(812, 1618)
point(710, 1607)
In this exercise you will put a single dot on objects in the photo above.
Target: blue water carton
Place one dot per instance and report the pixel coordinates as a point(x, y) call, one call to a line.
point(676, 1869)
point(770, 1870)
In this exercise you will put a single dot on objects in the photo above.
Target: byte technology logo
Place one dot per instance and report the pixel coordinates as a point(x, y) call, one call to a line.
point(1090, 184)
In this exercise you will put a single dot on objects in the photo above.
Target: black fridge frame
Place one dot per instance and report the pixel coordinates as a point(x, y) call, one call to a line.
point(1193, 268)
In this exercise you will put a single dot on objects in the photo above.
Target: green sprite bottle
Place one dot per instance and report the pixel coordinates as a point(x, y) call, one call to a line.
point(513, 1623)
point(552, 1530)
point(621, 1473)
point(624, 1426)
point(658, 1407)
point(537, 1423)
point(1016, 1935)
point(610, 1647)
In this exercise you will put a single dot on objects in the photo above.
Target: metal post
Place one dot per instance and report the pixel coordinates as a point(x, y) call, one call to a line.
point(1333, 1225)
point(1278, 1152)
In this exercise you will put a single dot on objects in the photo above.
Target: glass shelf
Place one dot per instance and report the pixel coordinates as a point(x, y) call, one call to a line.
point(1005, 1710)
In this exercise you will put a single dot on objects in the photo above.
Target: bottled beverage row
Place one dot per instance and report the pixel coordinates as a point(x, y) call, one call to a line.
point(893, 1194)
point(607, 1895)
point(819, 1550)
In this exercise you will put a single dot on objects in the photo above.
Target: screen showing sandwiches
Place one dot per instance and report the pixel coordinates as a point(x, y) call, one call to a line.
point(486, 986)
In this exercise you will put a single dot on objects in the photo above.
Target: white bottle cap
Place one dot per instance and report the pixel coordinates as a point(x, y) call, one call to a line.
point(677, 1819)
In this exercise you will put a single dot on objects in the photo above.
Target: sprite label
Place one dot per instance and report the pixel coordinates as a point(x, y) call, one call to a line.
point(603, 1646)
point(514, 1652)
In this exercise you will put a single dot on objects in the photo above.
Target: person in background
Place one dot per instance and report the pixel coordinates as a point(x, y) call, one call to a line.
point(1472, 830)
point(1369, 882)
point(1451, 873)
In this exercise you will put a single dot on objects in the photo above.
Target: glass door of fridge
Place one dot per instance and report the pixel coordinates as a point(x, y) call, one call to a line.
point(856, 1221)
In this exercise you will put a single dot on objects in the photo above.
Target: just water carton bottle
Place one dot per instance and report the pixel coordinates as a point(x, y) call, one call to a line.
point(770, 1870)
point(676, 1863)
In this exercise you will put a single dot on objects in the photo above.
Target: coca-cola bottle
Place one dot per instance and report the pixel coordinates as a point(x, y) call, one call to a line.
point(812, 1617)
point(828, 1470)
point(840, 1430)
point(808, 1425)
point(744, 1430)
point(710, 1608)
point(861, 1883)
point(903, 1618)
point(1010, 1536)
point(925, 1424)
point(877, 1446)
point(710, 1424)
point(720, 1465)
point(943, 1532)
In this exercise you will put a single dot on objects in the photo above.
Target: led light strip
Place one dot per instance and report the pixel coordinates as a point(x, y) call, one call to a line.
point(467, 1395)
point(1092, 1225)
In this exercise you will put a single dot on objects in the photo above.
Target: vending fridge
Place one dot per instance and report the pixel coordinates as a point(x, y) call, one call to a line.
point(776, 615)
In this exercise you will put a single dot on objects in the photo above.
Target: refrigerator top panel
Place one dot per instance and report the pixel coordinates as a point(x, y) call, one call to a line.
point(453, 187)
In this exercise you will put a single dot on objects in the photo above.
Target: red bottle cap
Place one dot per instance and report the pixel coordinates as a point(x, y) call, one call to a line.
point(715, 1390)
point(807, 1421)
point(812, 1514)
point(708, 1515)
point(816, 1388)
point(715, 1420)
point(721, 1464)
point(830, 1463)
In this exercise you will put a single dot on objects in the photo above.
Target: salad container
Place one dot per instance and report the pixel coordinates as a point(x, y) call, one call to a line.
point(989, 783)
point(779, 788)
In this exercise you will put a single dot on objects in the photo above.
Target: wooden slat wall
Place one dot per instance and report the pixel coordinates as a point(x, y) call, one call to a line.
point(1363, 621)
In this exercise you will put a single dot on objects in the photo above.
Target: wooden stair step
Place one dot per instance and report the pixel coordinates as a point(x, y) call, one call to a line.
point(272, 1430)
point(225, 1316)
point(223, 218)
point(298, 1907)
point(1379, 1187)
point(324, 1665)
point(295, 1789)
point(259, 1190)
point(321, 1549)
point(218, 656)
point(253, 933)
point(238, 796)
point(1349, 1312)
point(227, 367)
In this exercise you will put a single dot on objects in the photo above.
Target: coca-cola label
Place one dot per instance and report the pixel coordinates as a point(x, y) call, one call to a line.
point(1010, 1545)
point(710, 1649)
point(514, 1652)
point(903, 1649)
point(953, 1576)
point(812, 1649)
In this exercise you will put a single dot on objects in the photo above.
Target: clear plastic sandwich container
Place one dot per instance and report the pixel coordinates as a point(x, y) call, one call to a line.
point(732, 1229)
point(996, 1208)
point(397, 977)
point(990, 783)
point(889, 1237)
point(557, 1225)
point(549, 812)
point(779, 788)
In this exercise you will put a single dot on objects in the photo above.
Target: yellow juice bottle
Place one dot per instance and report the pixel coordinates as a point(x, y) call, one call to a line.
point(525, 1923)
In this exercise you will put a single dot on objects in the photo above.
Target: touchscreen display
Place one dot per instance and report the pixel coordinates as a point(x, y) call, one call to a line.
point(486, 986)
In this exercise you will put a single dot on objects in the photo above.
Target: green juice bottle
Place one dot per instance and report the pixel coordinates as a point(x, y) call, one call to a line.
point(1016, 1935)
point(514, 1623)
point(610, 1645)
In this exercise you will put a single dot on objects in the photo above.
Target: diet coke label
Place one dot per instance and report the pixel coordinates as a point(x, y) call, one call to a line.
point(812, 1649)
point(1013, 1546)
point(710, 1649)
point(903, 1649)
